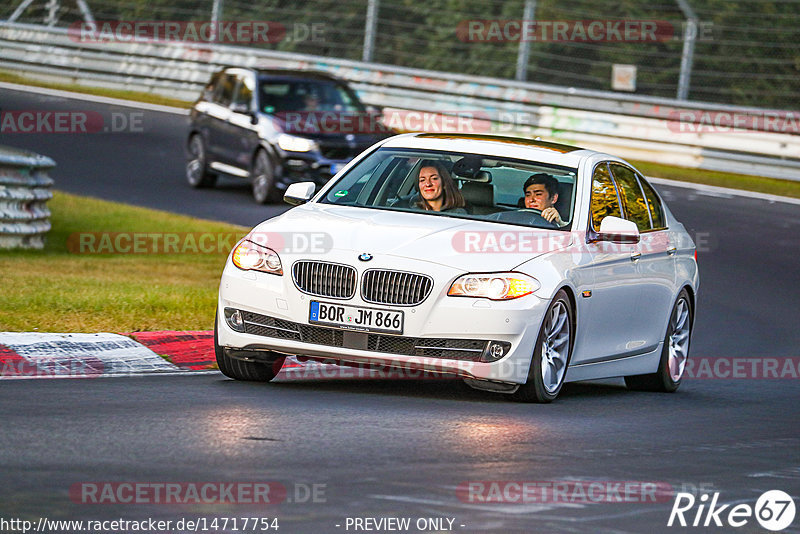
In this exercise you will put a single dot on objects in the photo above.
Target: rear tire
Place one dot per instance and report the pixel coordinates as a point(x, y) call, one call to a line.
point(197, 165)
point(241, 370)
point(674, 354)
point(552, 353)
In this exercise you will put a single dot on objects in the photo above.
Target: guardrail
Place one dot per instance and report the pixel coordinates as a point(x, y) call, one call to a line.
point(24, 192)
point(691, 134)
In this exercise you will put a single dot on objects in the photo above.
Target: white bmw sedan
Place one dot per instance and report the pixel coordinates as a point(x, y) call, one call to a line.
point(517, 265)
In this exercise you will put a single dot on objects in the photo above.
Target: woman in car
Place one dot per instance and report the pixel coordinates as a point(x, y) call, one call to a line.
point(437, 190)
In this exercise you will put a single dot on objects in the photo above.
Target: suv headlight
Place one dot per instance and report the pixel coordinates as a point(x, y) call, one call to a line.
point(494, 286)
point(250, 256)
point(292, 143)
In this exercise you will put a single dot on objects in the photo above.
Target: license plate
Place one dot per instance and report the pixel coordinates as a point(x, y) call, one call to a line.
point(336, 167)
point(356, 318)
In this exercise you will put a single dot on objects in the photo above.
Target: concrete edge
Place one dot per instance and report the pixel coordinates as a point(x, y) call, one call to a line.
point(93, 98)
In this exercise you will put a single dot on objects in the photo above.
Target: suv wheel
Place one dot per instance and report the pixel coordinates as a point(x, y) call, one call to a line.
point(263, 178)
point(197, 166)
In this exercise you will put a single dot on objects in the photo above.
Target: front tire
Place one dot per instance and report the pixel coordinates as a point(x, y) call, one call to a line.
point(197, 165)
point(241, 370)
point(552, 354)
point(674, 354)
point(263, 174)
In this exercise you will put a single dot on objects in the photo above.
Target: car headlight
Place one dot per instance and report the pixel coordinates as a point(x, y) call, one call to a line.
point(250, 256)
point(494, 286)
point(292, 143)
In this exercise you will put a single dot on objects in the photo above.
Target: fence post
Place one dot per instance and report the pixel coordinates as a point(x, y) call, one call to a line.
point(687, 56)
point(524, 44)
point(216, 15)
point(370, 27)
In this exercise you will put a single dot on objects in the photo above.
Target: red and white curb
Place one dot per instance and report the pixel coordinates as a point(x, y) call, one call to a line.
point(26, 355)
point(51, 355)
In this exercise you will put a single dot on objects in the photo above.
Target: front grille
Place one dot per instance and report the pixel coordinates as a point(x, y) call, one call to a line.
point(400, 288)
point(323, 279)
point(448, 349)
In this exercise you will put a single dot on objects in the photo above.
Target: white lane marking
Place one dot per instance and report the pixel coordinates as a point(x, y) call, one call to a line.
point(723, 192)
point(788, 473)
point(93, 98)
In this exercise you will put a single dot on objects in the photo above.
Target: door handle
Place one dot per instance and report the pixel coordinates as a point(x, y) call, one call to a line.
point(635, 256)
point(672, 250)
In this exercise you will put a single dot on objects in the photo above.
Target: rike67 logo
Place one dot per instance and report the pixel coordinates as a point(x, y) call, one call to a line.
point(774, 510)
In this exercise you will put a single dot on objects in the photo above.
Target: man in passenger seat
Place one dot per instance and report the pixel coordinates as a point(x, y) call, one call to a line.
point(541, 192)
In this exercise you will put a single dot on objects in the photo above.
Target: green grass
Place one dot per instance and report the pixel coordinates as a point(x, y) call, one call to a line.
point(136, 96)
point(61, 290)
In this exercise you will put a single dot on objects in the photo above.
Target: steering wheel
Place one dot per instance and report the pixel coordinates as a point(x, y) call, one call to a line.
point(537, 219)
point(526, 216)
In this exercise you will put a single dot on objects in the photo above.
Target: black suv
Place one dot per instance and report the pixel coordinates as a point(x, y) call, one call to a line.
point(276, 127)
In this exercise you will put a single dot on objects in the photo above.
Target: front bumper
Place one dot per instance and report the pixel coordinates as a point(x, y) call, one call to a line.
point(442, 334)
point(307, 167)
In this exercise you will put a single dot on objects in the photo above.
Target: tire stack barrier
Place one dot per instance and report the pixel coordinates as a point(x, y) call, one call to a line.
point(24, 191)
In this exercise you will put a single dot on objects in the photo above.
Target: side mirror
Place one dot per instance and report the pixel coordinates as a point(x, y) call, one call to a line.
point(299, 193)
point(240, 107)
point(244, 109)
point(618, 230)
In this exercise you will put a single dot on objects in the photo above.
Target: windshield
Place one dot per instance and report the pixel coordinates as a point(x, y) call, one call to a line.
point(451, 184)
point(281, 96)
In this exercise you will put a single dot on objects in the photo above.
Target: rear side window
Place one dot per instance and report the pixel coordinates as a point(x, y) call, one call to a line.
point(208, 90)
point(654, 203)
point(604, 196)
point(634, 204)
point(244, 92)
point(223, 93)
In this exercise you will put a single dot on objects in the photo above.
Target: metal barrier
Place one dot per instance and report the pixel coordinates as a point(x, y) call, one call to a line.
point(654, 129)
point(24, 192)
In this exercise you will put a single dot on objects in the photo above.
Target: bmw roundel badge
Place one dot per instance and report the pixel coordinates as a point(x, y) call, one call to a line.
point(365, 256)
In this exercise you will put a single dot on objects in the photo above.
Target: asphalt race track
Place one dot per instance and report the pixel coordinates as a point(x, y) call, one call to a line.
point(403, 448)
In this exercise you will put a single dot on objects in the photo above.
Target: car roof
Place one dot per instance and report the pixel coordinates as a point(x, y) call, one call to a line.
point(289, 73)
point(495, 145)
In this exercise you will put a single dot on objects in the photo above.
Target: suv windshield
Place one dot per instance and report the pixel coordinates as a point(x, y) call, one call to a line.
point(468, 186)
point(281, 96)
